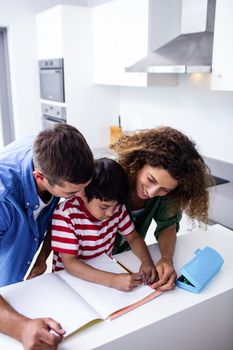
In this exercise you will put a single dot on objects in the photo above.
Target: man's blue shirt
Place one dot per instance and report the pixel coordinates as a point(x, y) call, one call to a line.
point(20, 233)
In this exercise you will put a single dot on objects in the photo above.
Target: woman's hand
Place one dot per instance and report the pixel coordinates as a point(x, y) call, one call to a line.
point(149, 272)
point(166, 275)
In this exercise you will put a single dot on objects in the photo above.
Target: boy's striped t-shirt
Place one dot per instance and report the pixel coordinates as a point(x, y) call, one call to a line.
point(75, 231)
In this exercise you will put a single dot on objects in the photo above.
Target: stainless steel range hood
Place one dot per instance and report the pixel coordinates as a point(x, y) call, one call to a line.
point(187, 53)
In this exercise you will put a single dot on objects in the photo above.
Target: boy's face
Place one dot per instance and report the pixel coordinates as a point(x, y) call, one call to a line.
point(101, 210)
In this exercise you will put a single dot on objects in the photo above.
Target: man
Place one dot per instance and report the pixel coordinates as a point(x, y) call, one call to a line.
point(32, 178)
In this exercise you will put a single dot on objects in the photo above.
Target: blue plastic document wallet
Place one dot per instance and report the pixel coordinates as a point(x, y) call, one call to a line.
point(200, 270)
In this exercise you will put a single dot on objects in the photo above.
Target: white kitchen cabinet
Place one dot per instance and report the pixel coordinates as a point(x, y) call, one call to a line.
point(120, 38)
point(222, 69)
point(49, 33)
point(105, 45)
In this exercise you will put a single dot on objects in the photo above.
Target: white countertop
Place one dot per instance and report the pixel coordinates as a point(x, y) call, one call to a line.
point(177, 302)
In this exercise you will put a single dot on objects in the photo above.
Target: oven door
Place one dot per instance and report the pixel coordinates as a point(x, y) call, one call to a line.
point(49, 123)
point(52, 84)
point(52, 114)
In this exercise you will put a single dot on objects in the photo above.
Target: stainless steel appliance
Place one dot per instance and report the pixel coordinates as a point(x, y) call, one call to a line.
point(188, 52)
point(52, 114)
point(52, 79)
point(221, 195)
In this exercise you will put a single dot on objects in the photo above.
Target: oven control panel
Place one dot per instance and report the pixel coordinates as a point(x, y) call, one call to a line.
point(53, 111)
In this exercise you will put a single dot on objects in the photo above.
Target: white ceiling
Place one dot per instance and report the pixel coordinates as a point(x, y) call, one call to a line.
point(96, 2)
point(41, 5)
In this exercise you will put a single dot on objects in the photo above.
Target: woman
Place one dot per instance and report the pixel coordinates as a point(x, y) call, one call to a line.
point(167, 175)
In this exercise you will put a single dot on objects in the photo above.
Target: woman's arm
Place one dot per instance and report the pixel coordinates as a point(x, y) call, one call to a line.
point(33, 334)
point(140, 249)
point(164, 267)
point(78, 268)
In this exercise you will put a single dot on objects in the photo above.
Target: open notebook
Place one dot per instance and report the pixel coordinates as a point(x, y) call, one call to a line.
point(73, 302)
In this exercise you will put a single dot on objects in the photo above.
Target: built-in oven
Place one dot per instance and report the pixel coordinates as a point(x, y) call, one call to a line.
point(52, 114)
point(52, 79)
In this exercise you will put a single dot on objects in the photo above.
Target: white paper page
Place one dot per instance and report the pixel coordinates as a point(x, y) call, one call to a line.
point(49, 296)
point(103, 299)
point(132, 262)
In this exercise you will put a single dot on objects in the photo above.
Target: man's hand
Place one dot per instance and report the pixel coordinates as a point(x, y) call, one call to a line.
point(166, 275)
point(38, 269)
point(149, 272)
point(36, 334)
point(40, 334)
point(125, 281)
point(40, 264)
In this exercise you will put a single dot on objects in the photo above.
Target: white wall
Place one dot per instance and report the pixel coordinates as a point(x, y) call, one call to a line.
point(204, 115)
point(18, 17)
point(91, 108)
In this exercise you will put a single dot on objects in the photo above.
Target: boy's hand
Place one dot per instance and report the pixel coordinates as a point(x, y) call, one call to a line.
point(125, 281)
point(149, 272)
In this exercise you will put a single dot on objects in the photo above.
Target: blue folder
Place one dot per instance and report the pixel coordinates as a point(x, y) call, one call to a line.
point(200, 270)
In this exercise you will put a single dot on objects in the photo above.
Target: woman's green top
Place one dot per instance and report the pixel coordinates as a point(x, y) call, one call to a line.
point(157, 209)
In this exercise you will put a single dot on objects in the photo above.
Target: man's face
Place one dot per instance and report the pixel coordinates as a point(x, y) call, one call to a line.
point(65, 190)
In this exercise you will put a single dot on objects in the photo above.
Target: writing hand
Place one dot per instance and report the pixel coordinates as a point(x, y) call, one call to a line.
point(125, 281)
point(40, 334)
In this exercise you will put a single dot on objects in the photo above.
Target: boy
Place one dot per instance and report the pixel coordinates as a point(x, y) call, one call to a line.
point(84, 228)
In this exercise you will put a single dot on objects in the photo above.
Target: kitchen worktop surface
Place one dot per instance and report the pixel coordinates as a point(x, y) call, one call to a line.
point(193, 321)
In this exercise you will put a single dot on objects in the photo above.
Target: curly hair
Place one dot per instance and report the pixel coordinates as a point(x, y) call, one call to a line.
point(168, 148)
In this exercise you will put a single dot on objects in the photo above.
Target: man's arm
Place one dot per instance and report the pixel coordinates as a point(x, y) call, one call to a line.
point(40, 264)
point(33, 334)
point(164, 267)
